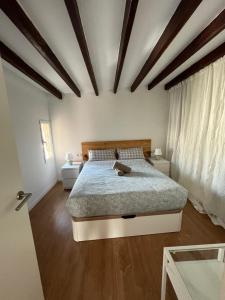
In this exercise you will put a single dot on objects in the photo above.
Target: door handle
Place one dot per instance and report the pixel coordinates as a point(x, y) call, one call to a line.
point(23, 197)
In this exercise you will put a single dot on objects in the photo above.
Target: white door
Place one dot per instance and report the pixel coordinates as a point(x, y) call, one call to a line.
point(19, 273)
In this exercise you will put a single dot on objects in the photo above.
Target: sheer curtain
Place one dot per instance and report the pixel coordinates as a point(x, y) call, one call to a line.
point(196, 139)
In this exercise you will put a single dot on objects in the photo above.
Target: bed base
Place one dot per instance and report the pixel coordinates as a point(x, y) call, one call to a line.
point(95, 229)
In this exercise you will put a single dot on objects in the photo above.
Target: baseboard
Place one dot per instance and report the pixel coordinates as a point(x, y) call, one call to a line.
point(34, 201)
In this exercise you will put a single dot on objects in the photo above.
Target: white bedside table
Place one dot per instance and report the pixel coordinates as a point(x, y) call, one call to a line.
point(162, 165)
point(70, 173)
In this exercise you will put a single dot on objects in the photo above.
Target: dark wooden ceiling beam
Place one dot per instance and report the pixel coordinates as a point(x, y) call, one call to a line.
point(17, 15)
point(183, 12)
point(202, 63)
point(13, 59)
point(74, 14)
point(214, 28)
point(128, 20)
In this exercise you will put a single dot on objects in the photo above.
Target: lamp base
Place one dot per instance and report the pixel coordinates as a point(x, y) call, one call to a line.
point(158, 157)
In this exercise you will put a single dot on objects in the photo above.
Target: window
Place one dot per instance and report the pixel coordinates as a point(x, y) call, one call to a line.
point(46, 139)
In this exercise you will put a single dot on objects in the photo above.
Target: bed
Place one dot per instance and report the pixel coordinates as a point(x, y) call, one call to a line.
point(103, 205)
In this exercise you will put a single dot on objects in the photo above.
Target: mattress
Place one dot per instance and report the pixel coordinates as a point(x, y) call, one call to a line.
point(98, 191)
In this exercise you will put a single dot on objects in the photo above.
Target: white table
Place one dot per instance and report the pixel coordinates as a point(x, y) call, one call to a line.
point(196, 272)
point(70, 173)
point(162, 165)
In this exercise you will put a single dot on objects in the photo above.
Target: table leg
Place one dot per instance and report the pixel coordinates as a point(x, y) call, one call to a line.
point(220, 256)
point(164, 278)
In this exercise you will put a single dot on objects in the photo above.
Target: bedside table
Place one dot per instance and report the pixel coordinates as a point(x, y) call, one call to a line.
point(162, 165)
point(70, 173)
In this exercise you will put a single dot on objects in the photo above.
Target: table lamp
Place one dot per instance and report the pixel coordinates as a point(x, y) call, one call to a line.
point(69, 157)
point(158, 153)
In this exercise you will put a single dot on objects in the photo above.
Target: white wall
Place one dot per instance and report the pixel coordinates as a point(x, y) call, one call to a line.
point(124, 115)
point(28, 104)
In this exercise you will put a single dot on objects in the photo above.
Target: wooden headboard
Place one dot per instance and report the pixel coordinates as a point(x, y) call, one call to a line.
point(145, 144)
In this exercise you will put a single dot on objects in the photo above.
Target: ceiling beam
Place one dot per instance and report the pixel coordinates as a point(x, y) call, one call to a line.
point(128, 20)
point(214, 28)
point(13, 59)
point(183, 12)
point(74, 14)
point(17, 15)
point(202, 63)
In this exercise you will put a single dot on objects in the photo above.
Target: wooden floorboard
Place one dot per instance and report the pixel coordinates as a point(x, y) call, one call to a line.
point(113, 269)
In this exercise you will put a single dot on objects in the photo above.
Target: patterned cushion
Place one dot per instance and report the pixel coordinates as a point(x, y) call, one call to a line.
point(130, 153)
point(105, 154)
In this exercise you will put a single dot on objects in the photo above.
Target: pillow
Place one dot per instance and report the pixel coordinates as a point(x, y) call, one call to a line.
point(130, 153)
point(104, 154)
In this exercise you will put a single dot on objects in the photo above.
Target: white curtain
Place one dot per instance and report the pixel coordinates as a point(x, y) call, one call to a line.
point(196, 139)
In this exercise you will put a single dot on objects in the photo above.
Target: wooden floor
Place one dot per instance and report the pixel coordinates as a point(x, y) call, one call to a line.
point(115, 269)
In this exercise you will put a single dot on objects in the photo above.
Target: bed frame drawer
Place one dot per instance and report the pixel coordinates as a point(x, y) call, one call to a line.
point(122, 227)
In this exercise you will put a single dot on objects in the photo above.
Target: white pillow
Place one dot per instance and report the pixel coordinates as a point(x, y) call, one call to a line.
point(131, 153)
point(104, 154)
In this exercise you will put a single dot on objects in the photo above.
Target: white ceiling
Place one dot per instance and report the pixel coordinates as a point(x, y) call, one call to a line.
point(102, 22)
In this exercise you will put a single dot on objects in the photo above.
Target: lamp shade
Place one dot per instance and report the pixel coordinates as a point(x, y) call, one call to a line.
point(69, 156)
point(158, 151)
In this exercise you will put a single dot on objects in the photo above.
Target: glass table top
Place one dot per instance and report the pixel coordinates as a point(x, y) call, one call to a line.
point(202, 271)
